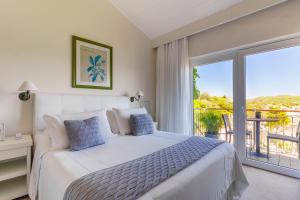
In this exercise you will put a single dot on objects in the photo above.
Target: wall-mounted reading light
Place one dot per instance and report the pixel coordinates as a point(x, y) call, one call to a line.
point(25, 89)
point(137, 96)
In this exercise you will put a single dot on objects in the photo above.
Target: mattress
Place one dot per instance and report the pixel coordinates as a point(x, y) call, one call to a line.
point(216, 176)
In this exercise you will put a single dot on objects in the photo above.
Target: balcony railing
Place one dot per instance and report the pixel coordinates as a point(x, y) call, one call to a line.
point(286, 125)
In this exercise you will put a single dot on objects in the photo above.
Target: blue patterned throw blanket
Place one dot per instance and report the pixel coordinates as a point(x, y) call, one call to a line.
point(131, 180)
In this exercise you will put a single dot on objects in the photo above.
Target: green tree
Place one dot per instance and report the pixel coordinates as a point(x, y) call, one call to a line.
point(204, 107)
point(283, 118)
point(195, 76)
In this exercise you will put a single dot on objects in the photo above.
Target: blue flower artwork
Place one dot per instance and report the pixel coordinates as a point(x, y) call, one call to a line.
point(96, 68)
point(92, 64)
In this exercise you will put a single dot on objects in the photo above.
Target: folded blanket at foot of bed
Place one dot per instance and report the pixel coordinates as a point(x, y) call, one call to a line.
point(131, 180)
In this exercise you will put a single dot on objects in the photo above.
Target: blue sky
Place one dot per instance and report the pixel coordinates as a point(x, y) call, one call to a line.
point(267, 74)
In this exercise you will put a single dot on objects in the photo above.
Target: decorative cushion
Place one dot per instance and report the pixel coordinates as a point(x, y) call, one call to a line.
point(123, 118)
point(83, 134)
point(104, 124)
point(141, 124)
point(57, 131)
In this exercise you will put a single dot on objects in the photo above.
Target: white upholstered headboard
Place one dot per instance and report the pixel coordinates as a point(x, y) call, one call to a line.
point(66, 103)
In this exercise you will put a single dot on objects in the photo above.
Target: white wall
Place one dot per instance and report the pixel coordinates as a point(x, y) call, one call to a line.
point(35, 44)
point(274, 22)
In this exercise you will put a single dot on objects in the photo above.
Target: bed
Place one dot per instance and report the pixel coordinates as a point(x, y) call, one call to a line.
point(216, 176)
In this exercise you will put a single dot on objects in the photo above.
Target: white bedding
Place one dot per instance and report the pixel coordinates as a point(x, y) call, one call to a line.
point(216, 176)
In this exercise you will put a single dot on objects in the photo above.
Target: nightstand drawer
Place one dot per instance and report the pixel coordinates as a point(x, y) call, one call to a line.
point(13, 153)
point(15, 166)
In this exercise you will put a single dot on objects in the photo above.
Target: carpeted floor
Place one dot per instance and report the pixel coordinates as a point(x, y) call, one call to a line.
point(265, 185)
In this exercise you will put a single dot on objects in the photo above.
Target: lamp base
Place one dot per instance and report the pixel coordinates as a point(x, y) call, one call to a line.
point(24, 96)
point(134, 98)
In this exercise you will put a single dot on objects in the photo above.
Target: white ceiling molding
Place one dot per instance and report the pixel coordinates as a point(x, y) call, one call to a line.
point(158, 17)
point(234, 12)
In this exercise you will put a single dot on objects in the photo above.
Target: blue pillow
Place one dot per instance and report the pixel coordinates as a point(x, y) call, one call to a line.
point(83, 134)
point(141, 124)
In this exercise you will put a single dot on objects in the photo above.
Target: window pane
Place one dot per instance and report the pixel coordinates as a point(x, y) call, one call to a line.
point(213, 100)
point(273, 95)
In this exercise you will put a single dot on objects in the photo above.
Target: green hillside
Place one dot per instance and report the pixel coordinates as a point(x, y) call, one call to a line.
point(274, 102)
point(204, 100)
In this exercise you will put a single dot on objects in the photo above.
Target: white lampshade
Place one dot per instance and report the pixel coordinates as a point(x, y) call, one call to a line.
point(140, 93)
point(27, 86)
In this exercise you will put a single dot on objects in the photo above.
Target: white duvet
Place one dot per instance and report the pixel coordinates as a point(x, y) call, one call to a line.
point(216, 176)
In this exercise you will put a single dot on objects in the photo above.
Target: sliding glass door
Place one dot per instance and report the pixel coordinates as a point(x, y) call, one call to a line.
point(251, 98)
point(268, 106)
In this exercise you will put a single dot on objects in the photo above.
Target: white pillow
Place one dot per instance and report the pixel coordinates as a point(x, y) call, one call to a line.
point(56, 130)
point(123, 118)
point(56, 127)
point(113, 121)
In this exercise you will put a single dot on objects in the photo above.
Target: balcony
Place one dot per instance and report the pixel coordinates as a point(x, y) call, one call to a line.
point(283, 123)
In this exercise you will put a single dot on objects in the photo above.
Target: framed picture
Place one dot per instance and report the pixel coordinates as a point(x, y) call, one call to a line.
point(2, 131)
point(91, 64)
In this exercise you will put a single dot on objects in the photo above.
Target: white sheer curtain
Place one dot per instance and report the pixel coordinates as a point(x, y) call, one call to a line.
point(174, 88)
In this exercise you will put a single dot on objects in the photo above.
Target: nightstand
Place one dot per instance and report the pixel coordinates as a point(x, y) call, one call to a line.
point(15, 164)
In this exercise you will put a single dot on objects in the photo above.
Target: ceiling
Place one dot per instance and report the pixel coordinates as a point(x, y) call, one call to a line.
point(158, 17)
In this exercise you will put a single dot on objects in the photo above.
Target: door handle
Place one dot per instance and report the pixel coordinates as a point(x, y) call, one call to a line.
point(243, 109)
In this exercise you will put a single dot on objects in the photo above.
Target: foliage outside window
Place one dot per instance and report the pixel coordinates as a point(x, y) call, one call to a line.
point(212, 121)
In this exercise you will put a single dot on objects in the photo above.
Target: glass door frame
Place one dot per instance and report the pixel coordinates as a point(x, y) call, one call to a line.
point(220, 57)
point(240, 104)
